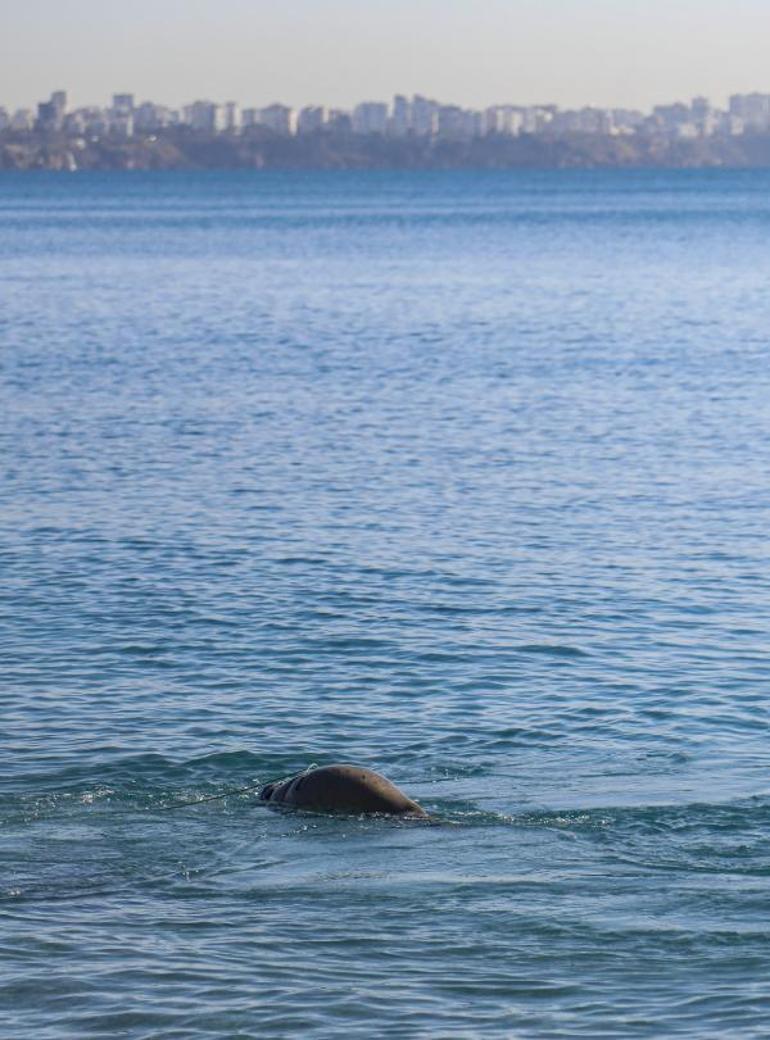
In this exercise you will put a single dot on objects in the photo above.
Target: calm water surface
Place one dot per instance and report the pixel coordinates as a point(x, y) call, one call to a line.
point(461, 476)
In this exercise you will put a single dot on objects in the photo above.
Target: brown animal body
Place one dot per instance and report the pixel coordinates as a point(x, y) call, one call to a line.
point(341, 788)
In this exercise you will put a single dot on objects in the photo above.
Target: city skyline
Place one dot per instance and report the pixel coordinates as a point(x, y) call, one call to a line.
point(402, 116)
point(405, 131)
point(571, 53)
point(272, 98)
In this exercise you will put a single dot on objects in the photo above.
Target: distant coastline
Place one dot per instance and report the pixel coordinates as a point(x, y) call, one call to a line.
point(181, 148)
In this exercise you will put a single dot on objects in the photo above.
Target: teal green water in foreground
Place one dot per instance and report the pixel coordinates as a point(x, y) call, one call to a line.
point(463, 477)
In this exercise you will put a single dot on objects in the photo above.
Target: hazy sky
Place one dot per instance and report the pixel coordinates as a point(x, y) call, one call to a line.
point(571, 52)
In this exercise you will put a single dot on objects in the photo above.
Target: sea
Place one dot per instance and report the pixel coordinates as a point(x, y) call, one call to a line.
point(460, 476)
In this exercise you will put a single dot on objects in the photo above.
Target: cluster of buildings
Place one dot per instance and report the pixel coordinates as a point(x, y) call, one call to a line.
point(403, 117)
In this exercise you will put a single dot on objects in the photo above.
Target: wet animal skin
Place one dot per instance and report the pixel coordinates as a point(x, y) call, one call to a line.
point(341, 788)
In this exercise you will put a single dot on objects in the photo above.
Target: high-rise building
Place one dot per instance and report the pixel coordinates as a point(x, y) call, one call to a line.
point(370, 117)
point(122, 125)
point(311, 119)
point(753, 109)
point(232, 116)
point(458, 124)
point(535, 119)
point(22, 119)
point(669, 117)
point(504, 120)
point(205, 116)
point(401, 116)
point(278, 118)
point(147, 118)
point(48, 119)
point(704, 116)
point(339, 121)
point(123, 104)
point(121, 115)
point(50, 114)
point(424, 116)
point(474, 123)
point(494, 120)
point(700, 107)
point(587, 120)
point(627, 120)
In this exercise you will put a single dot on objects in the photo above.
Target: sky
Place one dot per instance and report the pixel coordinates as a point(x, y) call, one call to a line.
point(625, 53)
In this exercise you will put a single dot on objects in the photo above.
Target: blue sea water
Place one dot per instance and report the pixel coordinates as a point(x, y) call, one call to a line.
point(461, 476)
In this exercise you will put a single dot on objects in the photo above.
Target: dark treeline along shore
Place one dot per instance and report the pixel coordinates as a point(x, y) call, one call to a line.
point(183, 148)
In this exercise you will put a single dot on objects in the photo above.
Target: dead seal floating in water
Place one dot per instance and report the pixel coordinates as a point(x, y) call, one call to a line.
point(341, 788)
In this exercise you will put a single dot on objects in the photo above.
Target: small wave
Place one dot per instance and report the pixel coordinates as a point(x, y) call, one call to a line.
point(652, 821)
point(300, 561)
point(552, 650)
point(140, 783)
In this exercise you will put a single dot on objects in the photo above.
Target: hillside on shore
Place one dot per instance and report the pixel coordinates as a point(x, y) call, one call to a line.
point(184, 149)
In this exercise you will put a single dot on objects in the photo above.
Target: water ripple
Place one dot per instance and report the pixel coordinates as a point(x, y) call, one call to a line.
point(401, 469)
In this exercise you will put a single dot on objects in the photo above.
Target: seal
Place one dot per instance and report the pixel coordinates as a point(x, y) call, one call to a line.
point(341, 788)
